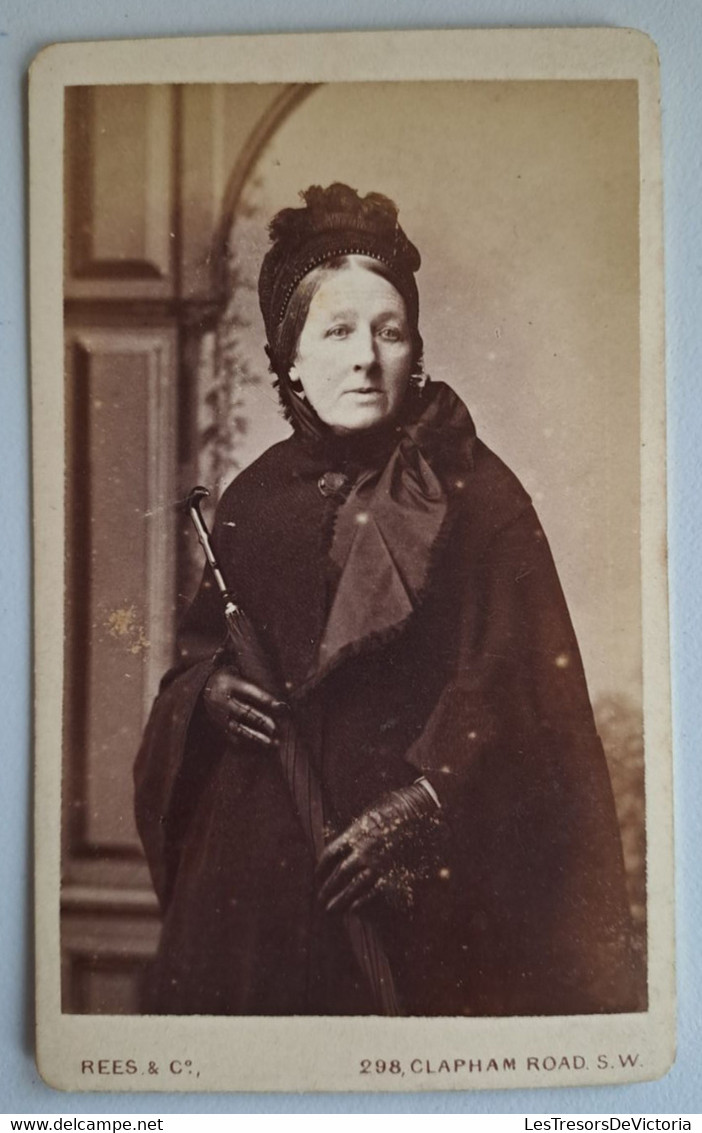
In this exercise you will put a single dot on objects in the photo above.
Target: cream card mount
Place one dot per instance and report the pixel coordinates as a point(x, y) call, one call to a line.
point(476, 726)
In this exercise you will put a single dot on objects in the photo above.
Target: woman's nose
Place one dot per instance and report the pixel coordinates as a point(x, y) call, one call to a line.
point(365, 353)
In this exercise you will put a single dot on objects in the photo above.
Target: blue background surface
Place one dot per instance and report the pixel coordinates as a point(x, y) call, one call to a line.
point(676, 26)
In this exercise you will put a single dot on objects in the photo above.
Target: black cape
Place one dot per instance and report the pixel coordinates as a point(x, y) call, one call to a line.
point(479, 687)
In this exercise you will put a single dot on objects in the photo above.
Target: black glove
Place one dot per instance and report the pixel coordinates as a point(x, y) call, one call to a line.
point(385, 852)
point(240, 708)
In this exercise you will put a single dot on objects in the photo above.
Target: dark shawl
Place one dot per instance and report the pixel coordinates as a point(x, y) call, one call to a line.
point(418, 626)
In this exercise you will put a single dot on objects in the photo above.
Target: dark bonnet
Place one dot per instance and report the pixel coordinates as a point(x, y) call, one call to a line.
point(334, 222)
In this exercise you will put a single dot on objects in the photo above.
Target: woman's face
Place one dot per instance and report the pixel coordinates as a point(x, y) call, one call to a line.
point(354, 355)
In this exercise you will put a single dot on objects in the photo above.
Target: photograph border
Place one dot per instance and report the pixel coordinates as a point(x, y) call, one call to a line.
point(305, 1058)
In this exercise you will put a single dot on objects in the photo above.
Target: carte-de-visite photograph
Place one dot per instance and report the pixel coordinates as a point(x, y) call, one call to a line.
point(353, 685)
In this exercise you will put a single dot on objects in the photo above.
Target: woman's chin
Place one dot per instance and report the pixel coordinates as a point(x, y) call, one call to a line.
point(361, 420)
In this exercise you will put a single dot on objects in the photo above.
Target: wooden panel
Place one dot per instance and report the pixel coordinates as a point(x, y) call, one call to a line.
point(105, 962)
point(201, 177)
point(121, 571)
point(120, 156)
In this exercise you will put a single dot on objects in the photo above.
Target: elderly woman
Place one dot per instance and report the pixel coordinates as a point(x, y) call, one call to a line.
point(447, 820)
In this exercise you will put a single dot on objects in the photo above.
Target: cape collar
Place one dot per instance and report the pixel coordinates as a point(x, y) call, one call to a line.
point(392, 523)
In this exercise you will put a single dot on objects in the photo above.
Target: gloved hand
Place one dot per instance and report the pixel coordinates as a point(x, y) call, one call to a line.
point(240, 708)
point(386, 852)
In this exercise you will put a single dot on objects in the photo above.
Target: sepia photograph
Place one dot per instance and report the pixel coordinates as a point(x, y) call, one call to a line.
point(353, 669)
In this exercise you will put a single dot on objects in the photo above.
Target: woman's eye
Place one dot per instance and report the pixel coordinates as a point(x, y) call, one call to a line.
point(391, 334)
point(338, 331)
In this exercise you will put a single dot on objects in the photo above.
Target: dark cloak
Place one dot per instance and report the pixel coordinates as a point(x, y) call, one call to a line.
point(450, 656)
